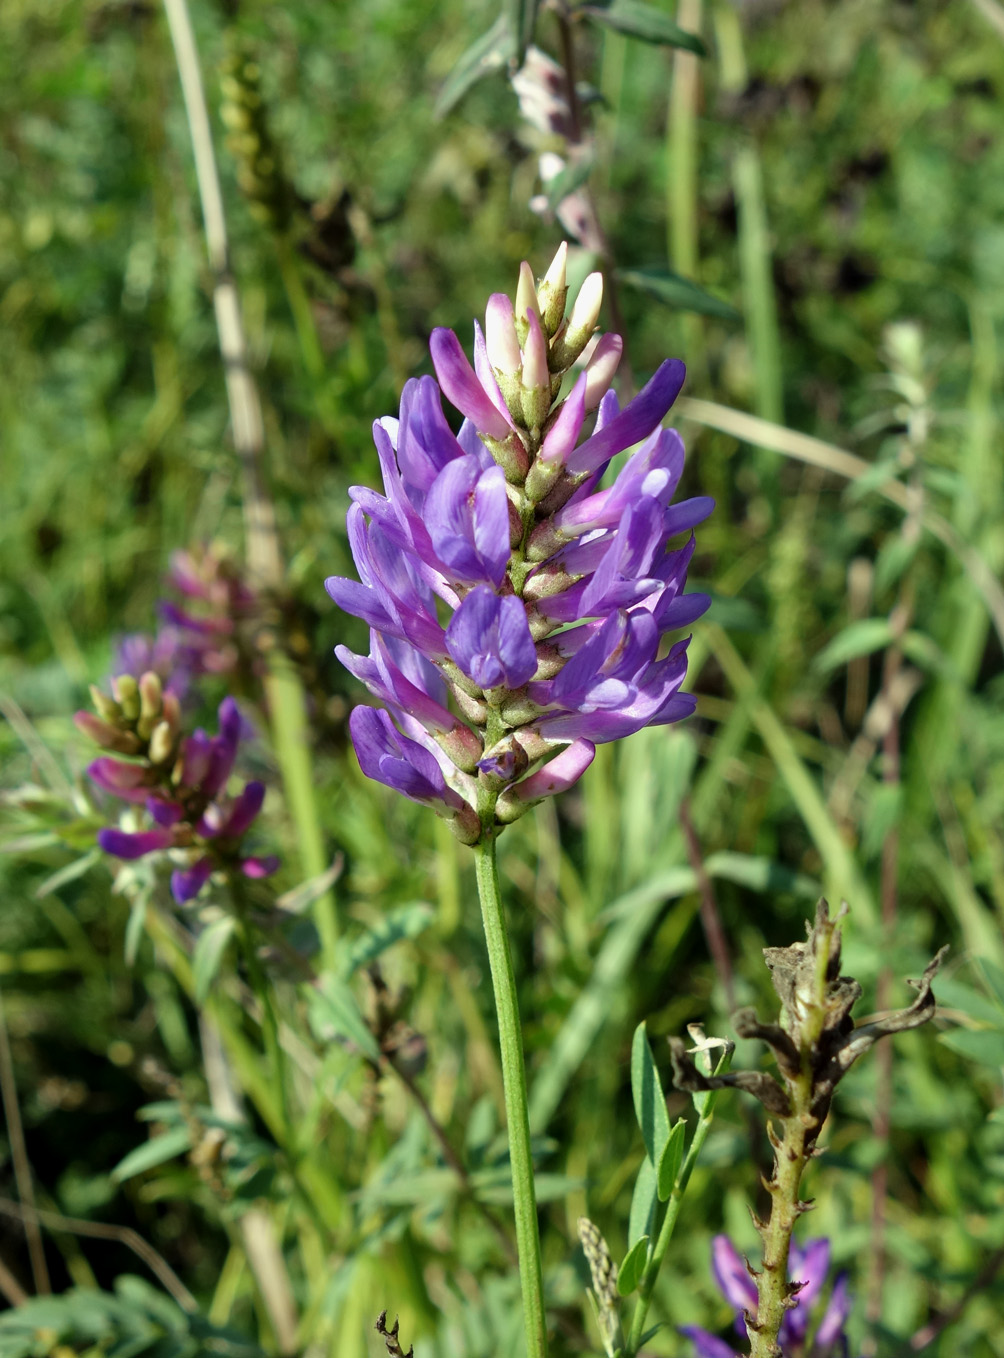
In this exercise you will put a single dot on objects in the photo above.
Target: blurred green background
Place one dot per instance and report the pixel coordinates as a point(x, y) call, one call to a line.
point(834, 172)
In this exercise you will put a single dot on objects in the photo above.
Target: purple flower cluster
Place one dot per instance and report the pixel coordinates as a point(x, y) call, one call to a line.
point(180, 781)
point(808, 1265)
point(201, 634)
point(497, 570)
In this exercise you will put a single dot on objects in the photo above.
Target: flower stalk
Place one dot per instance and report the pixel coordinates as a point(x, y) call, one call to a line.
point(514, 1085)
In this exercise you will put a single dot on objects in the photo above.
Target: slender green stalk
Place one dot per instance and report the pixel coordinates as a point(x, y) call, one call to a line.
point(514, 1083)
point(673, 1205)
point(284, 691)
point(269, 1018)
point(306, 332)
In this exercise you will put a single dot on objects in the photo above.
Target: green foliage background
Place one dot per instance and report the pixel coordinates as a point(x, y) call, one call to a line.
point(850, 178)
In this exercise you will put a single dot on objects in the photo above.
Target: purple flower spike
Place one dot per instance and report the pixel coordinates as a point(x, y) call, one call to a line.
point(504, 591)
point(123, 844)
point(489, 639)
point(808, 1265)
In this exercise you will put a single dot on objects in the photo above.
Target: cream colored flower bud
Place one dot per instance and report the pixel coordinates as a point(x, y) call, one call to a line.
point(553, 291)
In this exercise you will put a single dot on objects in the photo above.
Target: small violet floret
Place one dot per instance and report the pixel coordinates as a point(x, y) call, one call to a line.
point(808, 1265)
point(518, 603)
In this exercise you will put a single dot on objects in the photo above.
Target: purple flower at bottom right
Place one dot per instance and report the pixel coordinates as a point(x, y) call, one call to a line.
point(801, 1336)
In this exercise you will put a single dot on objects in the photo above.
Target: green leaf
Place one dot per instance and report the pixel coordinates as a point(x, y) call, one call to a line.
point(638, 20)
point(649, 1100)
point(642, 1202)
point(860, 638)
point(572, 177)
point(676, 291)
point(407, 921)
point(670, 1160)
point(157, 1151)
point(522, 21)
point(986, 1047)
point(134, 928)
point(333, 1011)
point(208, 955)
point(68, 873)
point(629, 1273)
point(492, 52)
point(993, 975)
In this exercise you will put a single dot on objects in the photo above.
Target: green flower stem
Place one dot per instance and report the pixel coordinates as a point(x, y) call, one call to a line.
point(291, 739)
point(673, 1205)
point(269, 1018)
point(514, 1083)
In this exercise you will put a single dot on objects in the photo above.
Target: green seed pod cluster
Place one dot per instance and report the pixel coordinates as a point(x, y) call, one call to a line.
point(259, 164)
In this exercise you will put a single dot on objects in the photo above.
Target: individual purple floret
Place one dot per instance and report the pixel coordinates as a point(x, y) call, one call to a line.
point(809, 1265)
point(518, 599)
point(179, 781)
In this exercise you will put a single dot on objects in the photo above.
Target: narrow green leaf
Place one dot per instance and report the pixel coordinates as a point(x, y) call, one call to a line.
point(208, 955)
point(992, 974)
point(157, 1151)
point(649, 1100)
point(334, 1012)
point(68, 873)
point(407, 921)
point(670, 1160)
point(522, 21)
point(985, 1047)
point(638, 20)
point(677, 291)
point(860, 638)
point(629, 1273)
point(642, 1202)
point(134, 928)
point(491, 53)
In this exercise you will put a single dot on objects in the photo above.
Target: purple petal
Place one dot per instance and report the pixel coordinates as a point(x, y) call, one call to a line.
point(195, 757)
point(242, 813)
point(732, 1275)
point(128, 781)
point(164, 812)
point(556, 776)
point(388, 757)
point(461, 386)
point(186, 883)
point(425, 443)
point(831, 1327)
point(467, 515)
point(261, 866)
point(560, 439)
point(809, 1265)
point(635, 422)
point(489, 639)
point(707, 1345)
point(122, 844)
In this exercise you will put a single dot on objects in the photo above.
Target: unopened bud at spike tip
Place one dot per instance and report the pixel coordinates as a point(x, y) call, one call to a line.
point(553, 291)
point(601, 368)
point(161, 743)
point(526, 301)
point(126, 690)
point(581, 323)
point(106, 707)
point(151, 694)
point(500, 335)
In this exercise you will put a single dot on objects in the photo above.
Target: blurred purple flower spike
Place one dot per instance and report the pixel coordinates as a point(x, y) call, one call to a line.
point(495, 571)
point(183, 789)
point(809, 1265)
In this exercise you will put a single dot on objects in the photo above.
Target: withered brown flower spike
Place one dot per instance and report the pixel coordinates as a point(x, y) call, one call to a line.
point(390, 1337)
point(815, 1044)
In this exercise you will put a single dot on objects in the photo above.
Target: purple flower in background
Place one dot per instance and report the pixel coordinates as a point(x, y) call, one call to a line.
point(809, 1265)
point(179, 781)
point(518, 599)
